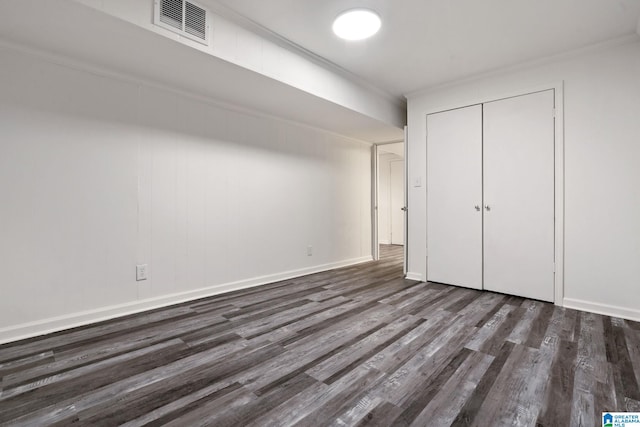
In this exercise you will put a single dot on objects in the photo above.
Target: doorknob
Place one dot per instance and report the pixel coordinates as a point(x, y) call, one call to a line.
point(487, 207)
point(404, 208)
point(477, 208)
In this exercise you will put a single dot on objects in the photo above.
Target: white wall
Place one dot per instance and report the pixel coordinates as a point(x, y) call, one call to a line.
point(602, 154)
point(98, 175)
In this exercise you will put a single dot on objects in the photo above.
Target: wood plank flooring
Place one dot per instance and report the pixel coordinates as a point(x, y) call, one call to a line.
point(355, 346)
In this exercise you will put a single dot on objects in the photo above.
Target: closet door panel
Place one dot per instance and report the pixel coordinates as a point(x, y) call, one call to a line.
point(454, 197)
point(519, 195)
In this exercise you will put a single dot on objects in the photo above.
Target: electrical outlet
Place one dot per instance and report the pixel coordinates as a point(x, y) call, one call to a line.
point(141, 272)
point(309, 250)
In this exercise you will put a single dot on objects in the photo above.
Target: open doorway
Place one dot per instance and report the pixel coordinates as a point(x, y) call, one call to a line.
point(390, 197)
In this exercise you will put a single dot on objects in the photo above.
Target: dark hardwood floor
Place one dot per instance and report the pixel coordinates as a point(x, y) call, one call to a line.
point(354, 346)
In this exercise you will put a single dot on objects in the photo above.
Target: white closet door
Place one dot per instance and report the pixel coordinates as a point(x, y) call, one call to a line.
point(454, 197)
point(519, 196)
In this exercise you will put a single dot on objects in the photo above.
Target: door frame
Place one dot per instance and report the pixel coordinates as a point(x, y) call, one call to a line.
point(559, 172)
point(375, 244)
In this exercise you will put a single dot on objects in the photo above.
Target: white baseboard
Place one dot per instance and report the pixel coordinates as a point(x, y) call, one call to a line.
point(607, 310)
point(384, 242)
point(55, 324)
point(414, 276)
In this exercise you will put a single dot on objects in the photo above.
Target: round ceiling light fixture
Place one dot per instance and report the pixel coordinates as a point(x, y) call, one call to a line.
point(357, 24)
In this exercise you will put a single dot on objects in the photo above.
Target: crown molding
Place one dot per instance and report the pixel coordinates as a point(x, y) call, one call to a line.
point(262, 31)
point(607, 44)
point(395, 141)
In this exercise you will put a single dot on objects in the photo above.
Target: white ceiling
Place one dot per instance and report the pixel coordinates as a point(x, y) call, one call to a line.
point(397, 149)
point(424, 43)
point(99, 40)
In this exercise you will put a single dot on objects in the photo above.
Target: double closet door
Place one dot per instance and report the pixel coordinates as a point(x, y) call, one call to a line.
point(490, 196)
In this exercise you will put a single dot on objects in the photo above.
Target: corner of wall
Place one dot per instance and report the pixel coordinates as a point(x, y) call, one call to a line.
point(415, 276)
point(604, 309)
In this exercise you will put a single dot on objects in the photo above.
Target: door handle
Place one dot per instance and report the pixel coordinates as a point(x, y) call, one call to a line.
point(477, 208)
point(487, 207)
point(404, 208)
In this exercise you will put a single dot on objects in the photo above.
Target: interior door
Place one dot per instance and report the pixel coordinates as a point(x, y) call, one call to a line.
point(375, 244)
point(454, 197)
point(397, 202)
point(405, 181)
point(519, 196)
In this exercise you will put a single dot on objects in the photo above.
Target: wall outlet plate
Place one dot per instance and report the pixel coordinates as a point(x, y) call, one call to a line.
point(141, 272)
point(309, 250)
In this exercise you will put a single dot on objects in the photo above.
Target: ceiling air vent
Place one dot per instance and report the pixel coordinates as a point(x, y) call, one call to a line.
point(183, 17)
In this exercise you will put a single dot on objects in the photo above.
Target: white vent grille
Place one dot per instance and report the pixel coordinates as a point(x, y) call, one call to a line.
point(195, 20)
point(171, 13)
point(183, 17)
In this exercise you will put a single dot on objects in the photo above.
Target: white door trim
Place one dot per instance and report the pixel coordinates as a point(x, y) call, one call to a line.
point(558, 88)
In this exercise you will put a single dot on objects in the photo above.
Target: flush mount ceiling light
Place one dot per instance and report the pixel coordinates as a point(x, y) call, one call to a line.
point(356, 24)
